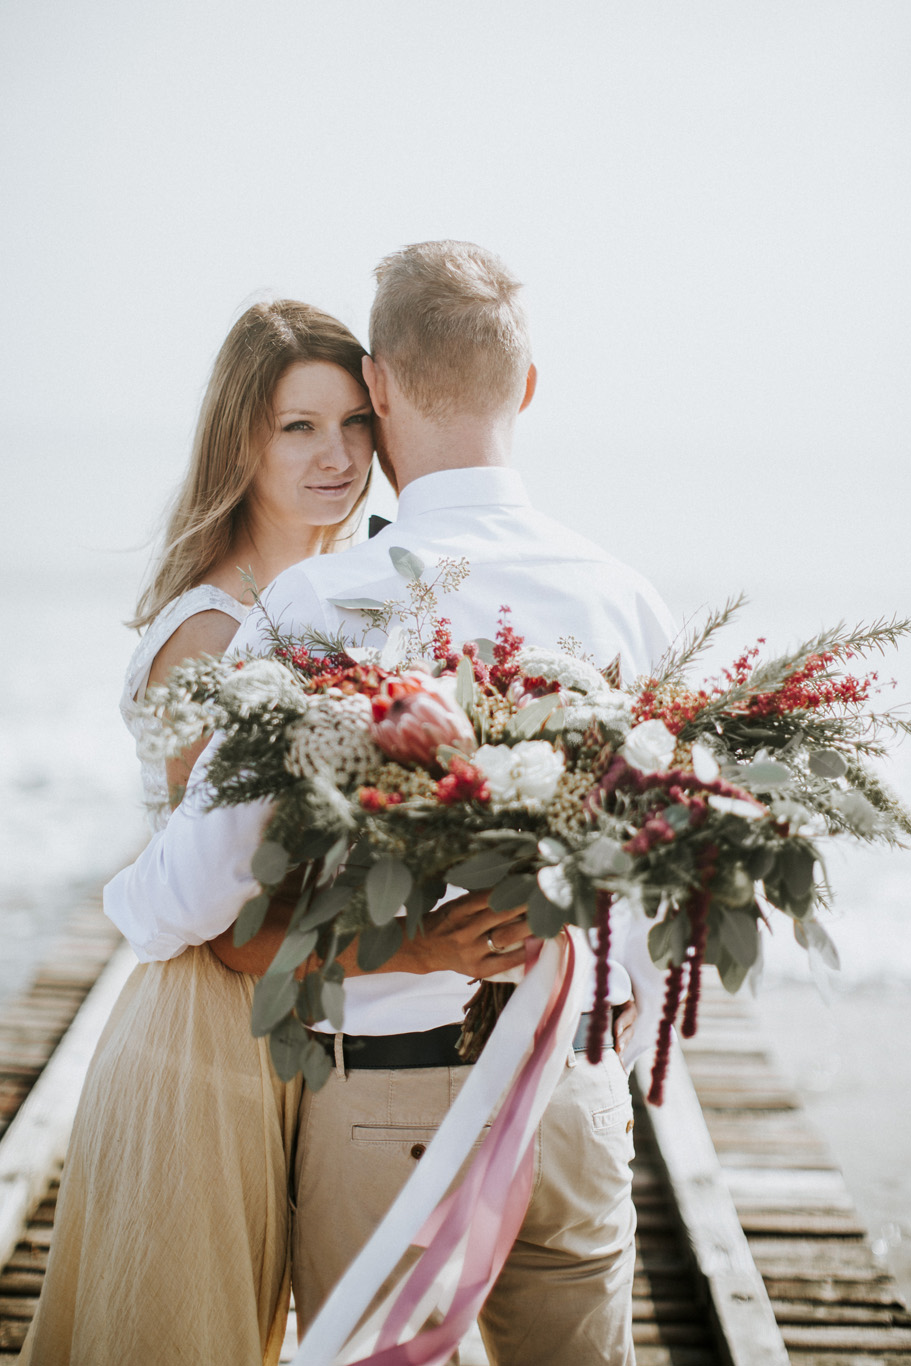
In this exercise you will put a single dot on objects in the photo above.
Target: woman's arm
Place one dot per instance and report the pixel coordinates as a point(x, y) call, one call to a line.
point(205, 633)
point(454, 938)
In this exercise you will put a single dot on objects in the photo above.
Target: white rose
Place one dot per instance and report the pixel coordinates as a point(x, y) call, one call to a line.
point(259, 683)
point(649, 747)
point(526, 773)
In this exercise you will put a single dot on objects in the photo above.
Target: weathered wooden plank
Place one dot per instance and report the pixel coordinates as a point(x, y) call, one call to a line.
point(797, 1220)
point(815, 1258)
point(832, 1291)
point(37, 1138)
point(748, 1331)
point(803, 1311)
point(807, 1187)
point(844, 1338)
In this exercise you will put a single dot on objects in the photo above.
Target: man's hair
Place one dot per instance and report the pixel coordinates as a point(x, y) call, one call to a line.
point(448, 322)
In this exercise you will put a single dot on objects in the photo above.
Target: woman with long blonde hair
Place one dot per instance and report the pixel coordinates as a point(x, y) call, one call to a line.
point(172, 1231)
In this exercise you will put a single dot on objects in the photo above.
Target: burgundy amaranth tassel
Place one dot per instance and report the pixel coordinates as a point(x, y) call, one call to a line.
point(597, 1025)
point(698, 911)
point(663, 1050)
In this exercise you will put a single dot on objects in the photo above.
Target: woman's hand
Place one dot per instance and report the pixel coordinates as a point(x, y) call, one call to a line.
point(464, 935)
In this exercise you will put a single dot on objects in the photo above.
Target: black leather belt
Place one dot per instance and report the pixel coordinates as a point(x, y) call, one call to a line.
point(426, 1048)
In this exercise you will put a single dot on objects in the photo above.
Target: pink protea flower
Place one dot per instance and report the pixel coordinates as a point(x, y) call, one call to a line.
point(413, 714)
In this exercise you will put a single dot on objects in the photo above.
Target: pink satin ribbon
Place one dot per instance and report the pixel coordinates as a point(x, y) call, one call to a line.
point(477, 1223)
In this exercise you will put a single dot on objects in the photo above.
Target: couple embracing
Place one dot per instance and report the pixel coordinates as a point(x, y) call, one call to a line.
point(198, 1186)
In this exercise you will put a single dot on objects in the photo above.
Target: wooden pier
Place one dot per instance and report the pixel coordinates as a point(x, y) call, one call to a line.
point(749, 1250)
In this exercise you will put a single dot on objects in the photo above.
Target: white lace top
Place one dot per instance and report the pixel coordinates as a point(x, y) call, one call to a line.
point(204, 598)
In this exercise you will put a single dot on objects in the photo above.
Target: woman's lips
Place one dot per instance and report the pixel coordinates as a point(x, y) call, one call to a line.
point(334, 490)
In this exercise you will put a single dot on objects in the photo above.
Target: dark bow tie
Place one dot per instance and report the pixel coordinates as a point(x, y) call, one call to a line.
point(376, 524)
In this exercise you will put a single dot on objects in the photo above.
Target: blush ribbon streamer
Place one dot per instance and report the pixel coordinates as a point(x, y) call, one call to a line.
point(467, 1234)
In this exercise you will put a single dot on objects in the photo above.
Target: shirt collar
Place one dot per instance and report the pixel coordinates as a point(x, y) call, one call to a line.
point(476, 486)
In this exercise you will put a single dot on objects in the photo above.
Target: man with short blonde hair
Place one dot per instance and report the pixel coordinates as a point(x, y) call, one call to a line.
point(448, 320)
point(449, 373)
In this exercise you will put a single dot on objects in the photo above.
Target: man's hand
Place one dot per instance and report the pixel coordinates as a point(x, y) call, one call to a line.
point(625, 1017)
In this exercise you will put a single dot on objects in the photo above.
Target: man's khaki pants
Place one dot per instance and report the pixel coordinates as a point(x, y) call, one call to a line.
point(564, 1296)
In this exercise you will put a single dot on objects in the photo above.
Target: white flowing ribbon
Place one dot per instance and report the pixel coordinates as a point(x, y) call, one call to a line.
point(412, 1214)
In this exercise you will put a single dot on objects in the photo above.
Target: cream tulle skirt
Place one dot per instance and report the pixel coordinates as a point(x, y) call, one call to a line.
point(172, 1231)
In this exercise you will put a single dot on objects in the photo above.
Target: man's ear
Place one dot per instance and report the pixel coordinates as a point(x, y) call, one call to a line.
point(375, 380)
point(531, 383)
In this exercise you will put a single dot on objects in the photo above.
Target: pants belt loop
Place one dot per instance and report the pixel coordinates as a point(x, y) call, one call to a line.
point(340, 1056)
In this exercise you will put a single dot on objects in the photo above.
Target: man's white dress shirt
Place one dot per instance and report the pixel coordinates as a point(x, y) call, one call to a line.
point(192, 879)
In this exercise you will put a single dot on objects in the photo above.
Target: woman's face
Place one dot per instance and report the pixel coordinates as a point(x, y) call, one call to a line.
point(314, 465)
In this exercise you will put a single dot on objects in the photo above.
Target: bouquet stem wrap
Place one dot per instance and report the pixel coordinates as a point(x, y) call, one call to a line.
point(468, 1234)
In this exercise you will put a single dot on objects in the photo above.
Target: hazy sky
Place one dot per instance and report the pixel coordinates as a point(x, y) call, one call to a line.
point(710, 204)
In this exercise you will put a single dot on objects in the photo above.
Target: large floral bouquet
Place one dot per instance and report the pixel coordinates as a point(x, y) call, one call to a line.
point(538, 775)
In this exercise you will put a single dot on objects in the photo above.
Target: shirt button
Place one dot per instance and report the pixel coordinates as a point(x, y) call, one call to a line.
point(418, 1150)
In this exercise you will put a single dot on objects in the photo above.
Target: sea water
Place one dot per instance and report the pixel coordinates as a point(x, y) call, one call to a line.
point(72, 815)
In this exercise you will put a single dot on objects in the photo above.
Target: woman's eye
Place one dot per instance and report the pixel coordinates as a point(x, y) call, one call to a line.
point(359, 420)
point(299, 426)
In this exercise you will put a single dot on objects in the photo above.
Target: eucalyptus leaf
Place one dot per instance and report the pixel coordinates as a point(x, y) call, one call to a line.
point(465, 689)
point(544, 918)
point(827, 763)
point(764, 774)
point(680, 937)
point(759, 862)
point(377, 944)
point(514, 890)
point(555, 885)
point(859, 813)
point(310, 997)
point(418, 902)
point(249, 921)
point(326, 904)
point(332, 859)
point(388, 884)
point(659, 943)
point(811, 935)
point(732, 974)
point(603, 857)
point(316, 1066)
point(528, 721)
point(485, 650)
point(482, 870)
point(552, 850)
point(313, 844)
point(334, 1003)
point(287, 1044)
point(270, 863)
point(585, 908)
point(406, 564)
point(506, 838)
point(795, 865)
point(295, 948)
point(677, 817)
point(273, 999)
point(356, 604)
point(740, 936)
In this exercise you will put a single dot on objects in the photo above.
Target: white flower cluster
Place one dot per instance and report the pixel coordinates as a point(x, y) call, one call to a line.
point(566, 670)
point(525, 774)
point(258, 682)
point(332, 740)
